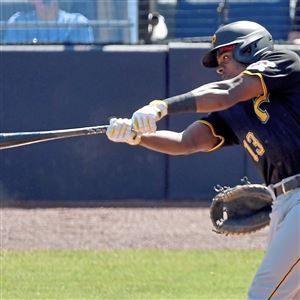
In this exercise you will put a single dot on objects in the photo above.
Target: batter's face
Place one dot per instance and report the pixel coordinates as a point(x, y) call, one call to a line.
point(228, 66)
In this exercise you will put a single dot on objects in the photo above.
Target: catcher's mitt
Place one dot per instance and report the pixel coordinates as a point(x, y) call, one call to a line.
point(241, 209)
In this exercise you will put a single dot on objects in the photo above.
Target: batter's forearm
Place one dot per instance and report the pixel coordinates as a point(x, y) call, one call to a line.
point(164, 141)
point(213, 100)
point(196, 138)
point(208, 98)
point(199, 101)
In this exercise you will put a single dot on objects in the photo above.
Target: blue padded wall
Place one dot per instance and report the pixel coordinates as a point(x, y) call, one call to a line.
point(56, 90)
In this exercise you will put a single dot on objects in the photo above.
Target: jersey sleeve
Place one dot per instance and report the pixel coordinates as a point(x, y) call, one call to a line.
point(275, 69)
point(220, 129)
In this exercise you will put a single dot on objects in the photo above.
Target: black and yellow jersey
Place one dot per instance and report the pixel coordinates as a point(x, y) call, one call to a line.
point(268, 127)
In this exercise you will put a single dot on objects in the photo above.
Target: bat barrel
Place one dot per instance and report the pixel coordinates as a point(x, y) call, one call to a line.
point(18, 139)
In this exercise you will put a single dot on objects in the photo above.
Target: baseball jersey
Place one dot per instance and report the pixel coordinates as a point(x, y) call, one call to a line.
point(268, 126)
point(66, 30)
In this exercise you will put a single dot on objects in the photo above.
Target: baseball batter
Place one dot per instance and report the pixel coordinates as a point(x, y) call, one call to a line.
point(255, 105)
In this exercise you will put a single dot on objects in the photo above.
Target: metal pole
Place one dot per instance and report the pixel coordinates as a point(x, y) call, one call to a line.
point(223, 12)
point(144, 8)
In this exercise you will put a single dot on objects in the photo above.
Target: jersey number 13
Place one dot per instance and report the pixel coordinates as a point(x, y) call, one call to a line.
point(253, 146)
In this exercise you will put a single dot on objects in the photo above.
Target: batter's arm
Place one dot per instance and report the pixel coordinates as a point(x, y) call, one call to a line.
point(198, 137)
point(224, 94)
point(211, 97)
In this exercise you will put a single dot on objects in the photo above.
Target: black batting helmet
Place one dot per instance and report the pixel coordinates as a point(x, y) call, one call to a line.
point(251, 41)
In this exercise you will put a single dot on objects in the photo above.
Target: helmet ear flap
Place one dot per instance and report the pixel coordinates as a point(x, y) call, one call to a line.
point(245, 54)
point(249, 52)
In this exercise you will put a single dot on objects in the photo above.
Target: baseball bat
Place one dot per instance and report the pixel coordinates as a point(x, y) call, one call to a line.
point(18, 139)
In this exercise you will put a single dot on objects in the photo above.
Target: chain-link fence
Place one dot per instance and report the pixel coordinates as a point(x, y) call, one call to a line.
point(137, 21)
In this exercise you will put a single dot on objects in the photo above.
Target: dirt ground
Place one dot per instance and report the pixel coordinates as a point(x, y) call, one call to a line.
point(117, 228)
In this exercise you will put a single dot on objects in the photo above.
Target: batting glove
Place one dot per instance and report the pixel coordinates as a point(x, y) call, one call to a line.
point(120, 131)
point(144, 120)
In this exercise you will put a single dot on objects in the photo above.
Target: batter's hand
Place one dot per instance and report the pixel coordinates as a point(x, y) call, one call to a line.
point(120, 131)
point(144, 120)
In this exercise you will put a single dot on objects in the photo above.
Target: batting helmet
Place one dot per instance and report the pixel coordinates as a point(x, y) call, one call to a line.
point(251, 41)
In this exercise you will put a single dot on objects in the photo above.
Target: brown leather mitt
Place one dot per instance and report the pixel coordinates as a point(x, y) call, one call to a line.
point(241, 209)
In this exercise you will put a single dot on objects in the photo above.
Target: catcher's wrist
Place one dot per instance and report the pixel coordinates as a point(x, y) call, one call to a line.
point(182, 103)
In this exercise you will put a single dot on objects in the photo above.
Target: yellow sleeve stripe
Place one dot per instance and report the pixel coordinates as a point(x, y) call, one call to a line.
point(265, 90)
point(222, 140)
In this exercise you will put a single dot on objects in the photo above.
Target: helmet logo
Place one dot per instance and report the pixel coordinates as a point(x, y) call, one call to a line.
point(213, 40)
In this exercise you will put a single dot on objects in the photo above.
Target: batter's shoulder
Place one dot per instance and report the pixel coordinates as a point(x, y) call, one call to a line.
point(281, 55)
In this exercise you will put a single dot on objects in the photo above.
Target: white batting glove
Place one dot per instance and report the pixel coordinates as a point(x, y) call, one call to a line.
point(144, 120)
point(120, 131)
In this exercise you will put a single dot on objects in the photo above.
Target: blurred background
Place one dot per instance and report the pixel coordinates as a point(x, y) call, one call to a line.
point(147, 21)
point(76, 63)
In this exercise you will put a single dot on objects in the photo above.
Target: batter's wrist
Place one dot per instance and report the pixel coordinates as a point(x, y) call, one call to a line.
point(161, 108)
point(136, 139)
point(182, 103)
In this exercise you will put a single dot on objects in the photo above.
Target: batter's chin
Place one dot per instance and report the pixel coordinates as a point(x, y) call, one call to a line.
point(226, 77)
